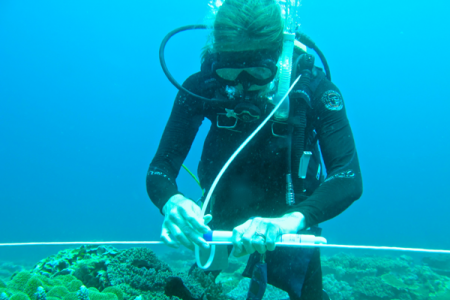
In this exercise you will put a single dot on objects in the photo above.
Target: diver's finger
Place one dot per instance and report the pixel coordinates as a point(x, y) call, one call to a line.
point(236, 238)
point(195, 221)
point(180, 237)
point(207, 219)
point(259, 238)
point(248, 236)
point(238, 253)
point(272, 235)
point(189, 234)
point(195, 237)
point(238, 249)
point(259, 244)
point(165, 237)
point(174, 226)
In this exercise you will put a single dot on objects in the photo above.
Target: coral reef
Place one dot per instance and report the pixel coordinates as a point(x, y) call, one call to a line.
point(40, 294)
point(19, 296)
point(371, 278)
point(87, 263)
point(28, 286)
point(241, 290)
point(203, 284)
point(58, 291)
point(340, 290)
point(104, 273)
point(4, 296)
point(440, 264)
point(372, 287)
point(179, 260)
point(138, 272)
point(83, 293)
point(7, 269)
point(115, 290)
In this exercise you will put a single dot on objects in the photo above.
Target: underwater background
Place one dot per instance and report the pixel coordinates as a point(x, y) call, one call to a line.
point(83, 103)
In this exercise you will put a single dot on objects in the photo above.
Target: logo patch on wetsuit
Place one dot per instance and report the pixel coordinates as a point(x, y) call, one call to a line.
point(346, 174)
point(332, 100)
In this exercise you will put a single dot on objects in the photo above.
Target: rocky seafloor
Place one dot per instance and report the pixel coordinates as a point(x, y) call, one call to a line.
point(106, 273)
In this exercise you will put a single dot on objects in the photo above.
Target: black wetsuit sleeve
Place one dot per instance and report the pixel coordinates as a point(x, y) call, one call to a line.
point(179, 134)
point(344, 182)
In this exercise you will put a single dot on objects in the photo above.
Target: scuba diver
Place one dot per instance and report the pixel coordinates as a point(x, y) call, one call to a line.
point(277, 183)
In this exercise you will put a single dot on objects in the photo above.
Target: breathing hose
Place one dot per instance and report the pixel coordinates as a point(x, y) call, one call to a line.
point(162, 60)
point(301, 37)
point(284, 75)
point(298, 142)
point(304, 39)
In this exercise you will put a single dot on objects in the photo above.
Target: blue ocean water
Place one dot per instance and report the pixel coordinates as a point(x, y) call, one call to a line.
point(83, 103)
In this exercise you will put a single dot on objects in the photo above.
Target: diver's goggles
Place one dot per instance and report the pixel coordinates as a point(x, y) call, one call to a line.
point(247, 68)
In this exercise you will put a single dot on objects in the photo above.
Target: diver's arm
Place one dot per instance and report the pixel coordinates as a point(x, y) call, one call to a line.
point(344, 182)
point(181, 129)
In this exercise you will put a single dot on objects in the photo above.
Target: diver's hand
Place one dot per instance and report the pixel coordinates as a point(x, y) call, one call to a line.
point(183, 222)
point(261, 234)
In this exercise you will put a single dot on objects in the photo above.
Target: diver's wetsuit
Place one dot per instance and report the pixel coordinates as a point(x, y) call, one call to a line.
point(255, 182)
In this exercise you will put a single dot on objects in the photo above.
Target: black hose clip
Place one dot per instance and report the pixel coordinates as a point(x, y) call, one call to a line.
point(305, 62)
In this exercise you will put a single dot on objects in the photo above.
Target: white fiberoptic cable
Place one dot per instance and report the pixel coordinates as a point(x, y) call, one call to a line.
point(286, 244)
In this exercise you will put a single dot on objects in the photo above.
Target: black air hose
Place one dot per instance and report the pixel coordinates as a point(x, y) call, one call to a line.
point(304, 39)
point(298, 143)
point(297, 120)
point(162, 60)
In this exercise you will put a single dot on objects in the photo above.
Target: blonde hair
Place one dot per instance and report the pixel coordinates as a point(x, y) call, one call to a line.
point(247, 25)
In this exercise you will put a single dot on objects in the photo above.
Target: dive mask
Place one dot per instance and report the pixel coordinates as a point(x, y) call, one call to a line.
point(247, 68)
